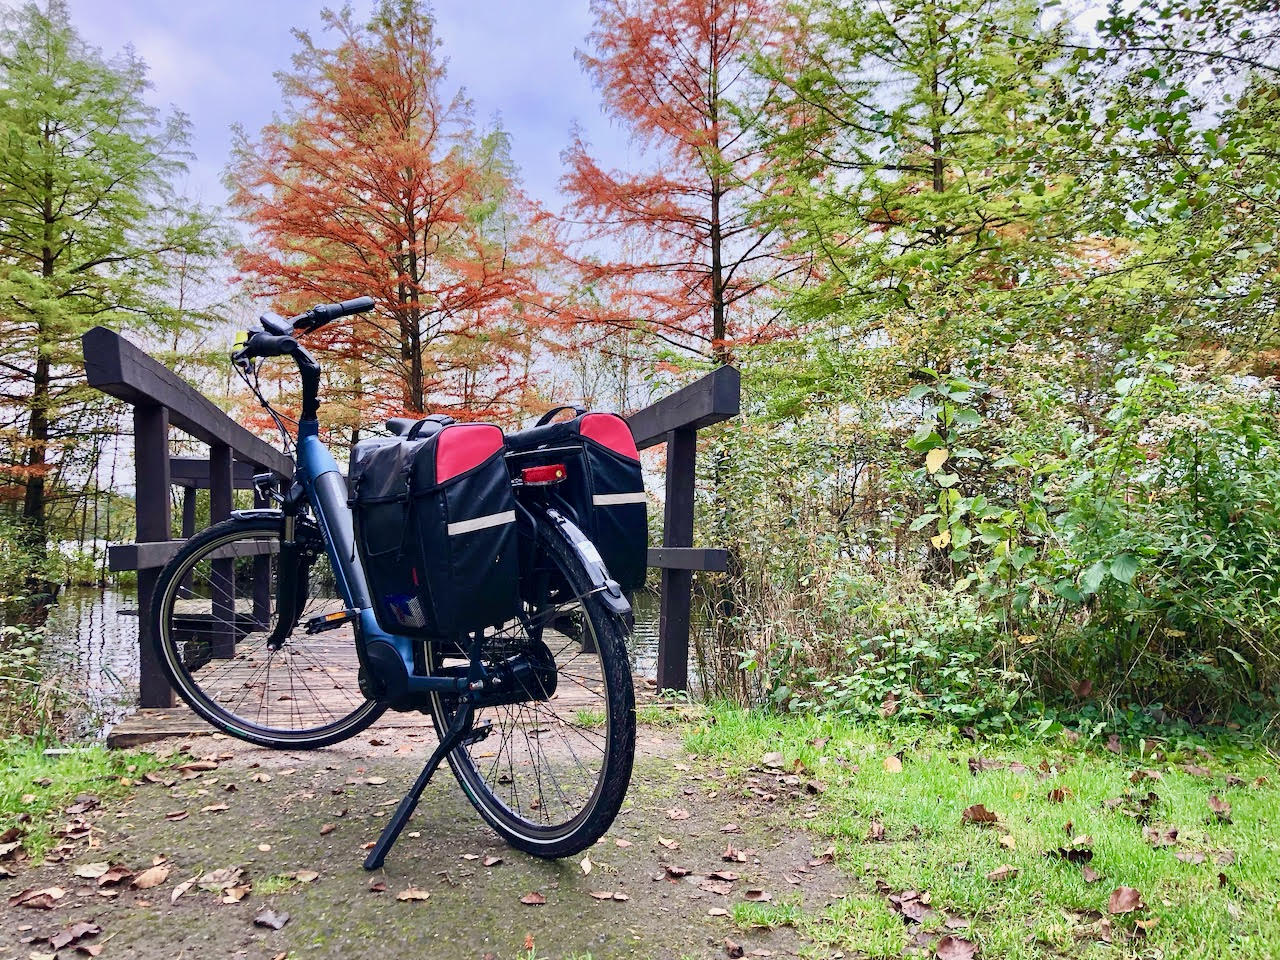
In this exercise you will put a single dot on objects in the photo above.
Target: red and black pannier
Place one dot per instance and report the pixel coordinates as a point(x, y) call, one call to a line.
point(435, 526)
point(603, 492)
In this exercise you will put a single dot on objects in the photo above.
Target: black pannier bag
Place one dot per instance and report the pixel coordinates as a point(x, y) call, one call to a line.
point(604, 489)
point(435, 527)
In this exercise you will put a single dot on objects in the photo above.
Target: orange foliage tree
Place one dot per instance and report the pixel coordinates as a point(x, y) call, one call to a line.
point(376, 181)
point(684, 255)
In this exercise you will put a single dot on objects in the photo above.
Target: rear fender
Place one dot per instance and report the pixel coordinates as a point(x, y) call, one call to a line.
point(557, 524)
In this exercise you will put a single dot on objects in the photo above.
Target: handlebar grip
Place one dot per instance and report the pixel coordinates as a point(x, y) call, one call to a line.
point(266, 345)
point(325, 312)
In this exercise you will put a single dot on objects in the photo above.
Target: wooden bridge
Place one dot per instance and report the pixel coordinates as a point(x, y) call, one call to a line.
point(162, 401)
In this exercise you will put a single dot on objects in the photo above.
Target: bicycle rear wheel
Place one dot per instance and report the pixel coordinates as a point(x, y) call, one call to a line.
point(552, 772)
point(212, 617)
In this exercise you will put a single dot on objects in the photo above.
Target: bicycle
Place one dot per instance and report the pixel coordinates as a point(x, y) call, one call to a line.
point(536, 717)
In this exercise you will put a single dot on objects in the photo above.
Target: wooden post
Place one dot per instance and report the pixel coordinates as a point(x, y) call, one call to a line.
point(154, 523)
point(188, 512)
point(675, 608)
point(223, 637)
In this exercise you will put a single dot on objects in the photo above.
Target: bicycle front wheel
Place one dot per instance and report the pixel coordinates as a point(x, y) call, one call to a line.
point(212, 619)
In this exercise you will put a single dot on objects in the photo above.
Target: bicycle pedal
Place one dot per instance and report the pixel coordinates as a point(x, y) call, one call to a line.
point(478, 732)
point(328, 621)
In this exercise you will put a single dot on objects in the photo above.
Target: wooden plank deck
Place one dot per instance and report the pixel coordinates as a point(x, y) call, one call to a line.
point(322, 686)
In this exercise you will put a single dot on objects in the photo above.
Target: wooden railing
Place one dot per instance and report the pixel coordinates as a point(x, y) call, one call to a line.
point(675, 421)
point(161, 399)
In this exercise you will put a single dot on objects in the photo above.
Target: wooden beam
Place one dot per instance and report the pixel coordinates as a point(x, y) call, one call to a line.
point(193, 473)
point(115, 366)
point(715, 397)
point(152, 556)
point(689, 558)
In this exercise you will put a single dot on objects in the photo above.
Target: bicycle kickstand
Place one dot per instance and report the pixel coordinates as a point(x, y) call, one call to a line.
point(460, 731)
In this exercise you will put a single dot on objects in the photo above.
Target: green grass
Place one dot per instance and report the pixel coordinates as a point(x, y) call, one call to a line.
point(24, 768)
point(589, 718)
point(276, 883)
point(1045, 911)
point(784, 913)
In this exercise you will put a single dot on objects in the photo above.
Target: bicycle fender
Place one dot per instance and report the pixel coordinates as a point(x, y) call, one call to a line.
point(591, 561)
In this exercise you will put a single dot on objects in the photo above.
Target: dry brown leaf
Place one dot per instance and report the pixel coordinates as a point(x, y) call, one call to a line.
point(42, 899)
point(533, 899)
point(151, 877)
point(268, 917)
point(181, 888)
point(955, 948)
point(620, 842)
point(1124, 900)
point(978, 815)
point(678, 813)
point(1221, 808)
point(236, 893)
point(492, 861)
point(91, 871)
point(893, 764)
point(327, 828)
point(116, 873)
point(77, 931)
point(670, 844)
point(413, 893)
point(732, 949)
point(757, 896)
point(1002, 873)
point(306, 876)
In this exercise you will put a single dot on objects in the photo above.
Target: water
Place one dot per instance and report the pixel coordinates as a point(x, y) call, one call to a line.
point(91, 653)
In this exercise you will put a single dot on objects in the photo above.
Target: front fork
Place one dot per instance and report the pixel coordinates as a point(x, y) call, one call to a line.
point(296, 559)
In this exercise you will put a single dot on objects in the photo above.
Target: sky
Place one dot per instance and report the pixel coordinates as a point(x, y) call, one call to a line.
point(215, 62)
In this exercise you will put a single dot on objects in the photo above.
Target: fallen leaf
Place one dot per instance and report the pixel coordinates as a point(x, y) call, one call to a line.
point(875, 832)
point(214, 808)
point(1058, 794)
point(175, 815)
point(622, 843)
point(732, 948)
point(1008, 842)
point(758, 896)
point(327, 828)
point(955, 948)
point(717, 912)
point(668, 843)
point(180, 889)
point(218, 880)
point(151, 877)
point(585, 864)
point(724, 875)
point(1002, 873)
point(116, 873)
point(91, 871)
point(1190, 856)
point(1125, 900)
point(772, 759)
point(43, 899)
point(413, 893)
point(77, 931)
point(892, 764)
point(492, 861)
point(678, 813)
point(267, 917)
point(306, 876)
point(1090, 875)
point(1221, 808)
point(377, 886)
point(1113, 744)
point(676, 872)
point(978, 815)
point(236, 893)
point(533, 899)
point(731, 828)
point(376, 781)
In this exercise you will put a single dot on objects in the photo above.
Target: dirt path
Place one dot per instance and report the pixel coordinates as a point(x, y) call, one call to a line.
point(279, 818)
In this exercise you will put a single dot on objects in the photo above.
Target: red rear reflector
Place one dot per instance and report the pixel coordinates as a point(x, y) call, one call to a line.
point(543, 476)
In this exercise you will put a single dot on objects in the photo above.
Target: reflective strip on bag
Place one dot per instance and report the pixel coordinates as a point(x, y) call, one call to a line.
point(481, 523)
point(612, 499)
